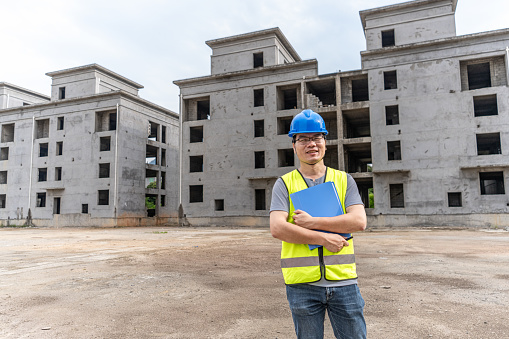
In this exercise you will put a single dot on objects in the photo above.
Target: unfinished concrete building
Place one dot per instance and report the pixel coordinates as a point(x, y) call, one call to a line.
point(15, 96)
point(439, 110)
point(235, 124)
point(423, 126)
point(94, 154)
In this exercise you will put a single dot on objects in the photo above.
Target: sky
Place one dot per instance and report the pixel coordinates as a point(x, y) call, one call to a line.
point(154, 42)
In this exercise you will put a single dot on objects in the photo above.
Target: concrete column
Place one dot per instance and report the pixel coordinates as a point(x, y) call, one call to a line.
point(507, 64)
point(339, 118)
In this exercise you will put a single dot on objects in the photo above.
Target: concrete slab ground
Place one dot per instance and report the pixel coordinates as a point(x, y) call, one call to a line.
point(226, 283)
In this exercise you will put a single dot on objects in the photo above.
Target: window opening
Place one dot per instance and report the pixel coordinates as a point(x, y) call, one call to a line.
point(43, 174)
point(43, 150)
point(40, 200)
point(4, 153)
point(283, 125)
point(56, 205)
point(492, 183)
point(391, 115)
point(195, 193)
point(259, 159)
point(289, 98)
point(150, 204)
point(58, 173)
point(360, 91)
point(285, 157)
point(103, 197)
point(485, 105)
point(60, 123)
point(3, 199)
point(260, 199)
point(390, 80)
point(104, 170)
point(84, 208)
point(106, 121)
point(163, 180)
point(163, 134)
point(397, 196)
point(356, 124)
point(42, 128)
point(196, 163)
point(203, 109)
point(259, 128)
point(394, 150)
point(219, 205)
point(61, 93)
point(454, 199)
point(151, 155)
point(3, 177)
point(7, 132)
point(321, 93)
point(479, 75)
point(151, 178)
point(154, 128)
point(105, 144)
point(163, 157)
point(388, 38)
point(257, 60)
point(331, 157)
point(60, 147)
point(258, 97)
point(196, 134)
point(113, 121)
point(488, 143)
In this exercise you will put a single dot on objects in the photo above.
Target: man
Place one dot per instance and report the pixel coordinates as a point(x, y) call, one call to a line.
point(323, 278)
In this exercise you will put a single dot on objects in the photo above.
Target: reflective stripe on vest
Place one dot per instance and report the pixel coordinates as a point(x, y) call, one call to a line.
point(302, 265)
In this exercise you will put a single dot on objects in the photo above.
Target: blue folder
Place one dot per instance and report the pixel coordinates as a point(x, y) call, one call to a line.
point(319, 201)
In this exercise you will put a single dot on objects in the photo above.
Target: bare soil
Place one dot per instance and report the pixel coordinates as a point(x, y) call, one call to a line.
point(226, 283)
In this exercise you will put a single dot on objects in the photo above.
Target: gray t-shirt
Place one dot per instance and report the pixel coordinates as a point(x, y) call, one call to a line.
point(281, 202)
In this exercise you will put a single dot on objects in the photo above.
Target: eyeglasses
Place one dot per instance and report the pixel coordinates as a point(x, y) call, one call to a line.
point(320, 139)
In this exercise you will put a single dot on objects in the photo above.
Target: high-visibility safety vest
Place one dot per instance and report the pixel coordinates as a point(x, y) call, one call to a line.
point(302, 265)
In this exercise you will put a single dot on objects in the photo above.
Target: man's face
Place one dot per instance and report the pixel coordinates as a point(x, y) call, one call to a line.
point(309, 147)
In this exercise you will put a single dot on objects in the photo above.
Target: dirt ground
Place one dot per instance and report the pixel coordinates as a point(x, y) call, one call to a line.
point(226, 283)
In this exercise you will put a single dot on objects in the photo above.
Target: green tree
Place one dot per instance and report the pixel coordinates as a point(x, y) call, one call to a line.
point(150, 202)
point(371, 198)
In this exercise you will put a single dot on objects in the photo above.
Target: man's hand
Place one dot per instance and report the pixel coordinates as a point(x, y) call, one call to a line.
point(334, 242)
point(303, 219)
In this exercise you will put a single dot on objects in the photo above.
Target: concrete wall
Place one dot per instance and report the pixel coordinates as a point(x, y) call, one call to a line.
point(15, 96)
point(437, 128)
point(229, 142)
point(132, 185)
point(236, 53)
point(80, 161)
point(413, 22)
point(89, 80)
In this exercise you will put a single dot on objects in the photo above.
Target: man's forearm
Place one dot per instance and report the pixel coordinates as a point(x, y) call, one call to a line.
point(295, 234)
point(353, 220)
point(288, 232)
point(340, 224)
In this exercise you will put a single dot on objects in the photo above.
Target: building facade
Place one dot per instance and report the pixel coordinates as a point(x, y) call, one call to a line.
point(423, 126)
point(15, 96)
point(439, 110)
point(94, 154)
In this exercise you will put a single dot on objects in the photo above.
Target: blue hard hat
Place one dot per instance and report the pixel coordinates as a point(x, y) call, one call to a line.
point(307, 121)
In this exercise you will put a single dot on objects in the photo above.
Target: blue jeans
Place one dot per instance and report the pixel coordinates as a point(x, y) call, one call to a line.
point(344, 305)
